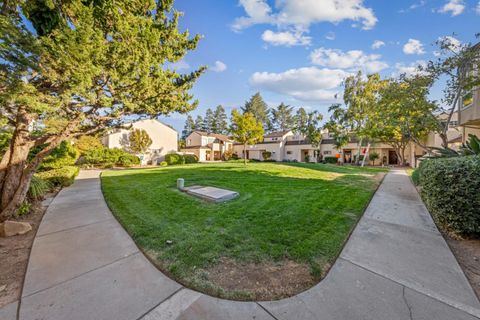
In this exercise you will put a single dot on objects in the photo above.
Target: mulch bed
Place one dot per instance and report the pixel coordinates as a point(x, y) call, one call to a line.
point(14, 254)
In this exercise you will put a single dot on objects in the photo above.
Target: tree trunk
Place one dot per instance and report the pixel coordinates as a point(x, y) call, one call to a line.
point(443, 133)
point(357, 159)
point(245, 154)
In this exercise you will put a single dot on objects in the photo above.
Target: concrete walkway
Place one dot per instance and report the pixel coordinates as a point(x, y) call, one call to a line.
point(396, 265)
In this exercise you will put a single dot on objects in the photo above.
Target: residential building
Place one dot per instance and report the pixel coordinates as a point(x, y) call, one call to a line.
point(164, 139)
point(207, 146)
point(287, 146)
point(469, 105)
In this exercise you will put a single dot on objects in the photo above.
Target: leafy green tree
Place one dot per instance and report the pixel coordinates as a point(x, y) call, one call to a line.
point(313, 129)
point(300, 121)
point(77, 67)
point(139, 141)
point(87, 143)
point(282, 118)
point(199, 123)
point(402, 114)
point(457, 67)
point(188, 128)
point(209, 121)
point(246, 129)
point(221, 122)
point(360, 96)
point(258, 108)
point(337, 126)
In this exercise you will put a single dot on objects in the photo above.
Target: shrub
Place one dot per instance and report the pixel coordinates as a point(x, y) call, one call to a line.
point(86, 143)
point(416, 176)
point(163, 164)
point(174, 158)
point(373, 156)
point(228, 154)
point(307, 158)
point(64, 155)
point(190, 158)
point(235, 156)
point(61, 177)
point(128, 160)
point(38, 188)
point(451, 191)
point(107, 158)
point(266, 155)
point(330, 159)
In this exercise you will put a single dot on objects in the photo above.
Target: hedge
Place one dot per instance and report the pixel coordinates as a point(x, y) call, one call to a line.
point(450, 188)
point(174, 158)
point(190, 158)
point(330, 159)
point(61, 177)
point(105, 157)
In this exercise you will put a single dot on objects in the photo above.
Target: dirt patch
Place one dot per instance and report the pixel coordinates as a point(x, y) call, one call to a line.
point(262, 281)
point(467, 253)
point(14, 253)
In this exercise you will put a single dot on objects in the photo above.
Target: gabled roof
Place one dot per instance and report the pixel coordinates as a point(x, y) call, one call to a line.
point(221, 137)
point(276, 134)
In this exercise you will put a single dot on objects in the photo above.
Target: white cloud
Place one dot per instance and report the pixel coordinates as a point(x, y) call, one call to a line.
point(286, 38)
point(413, 46)
point(179, 65)
point(353, 59)
point(301, 14)
point(219, 66)
point(455, 7)
point(477, 8)
point(258, 11)
point(330, 35)
point(305, 84)
point(410, 69)
point(377, 44)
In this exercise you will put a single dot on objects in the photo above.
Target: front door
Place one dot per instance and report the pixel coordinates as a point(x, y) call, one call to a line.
point(347, 156)
point(392, 157)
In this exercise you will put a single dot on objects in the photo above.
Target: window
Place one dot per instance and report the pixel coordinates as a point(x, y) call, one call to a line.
point(467, 96)
point(327, 152)
point(189, 142)
point(289, 152)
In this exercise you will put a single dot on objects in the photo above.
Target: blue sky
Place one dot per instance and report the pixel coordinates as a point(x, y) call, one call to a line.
point(299, 51)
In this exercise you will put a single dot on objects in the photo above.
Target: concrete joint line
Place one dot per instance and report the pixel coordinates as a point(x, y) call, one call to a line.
point(80, 275)
point(158, 304)
point(73, 228)
point(464, 308)
point(266, 310)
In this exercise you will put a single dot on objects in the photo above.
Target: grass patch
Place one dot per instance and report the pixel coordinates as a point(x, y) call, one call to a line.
point(299, 212)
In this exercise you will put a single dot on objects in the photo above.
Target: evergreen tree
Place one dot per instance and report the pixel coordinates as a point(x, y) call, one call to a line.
point(209, 121)
point(188, 128)
point(301, 121)
point(221, 122)
point(78, 67)
point(282, 118)
point(199, 123)
point(259, 109)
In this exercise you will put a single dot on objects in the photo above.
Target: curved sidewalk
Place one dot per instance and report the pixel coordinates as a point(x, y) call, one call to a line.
point(396, 265)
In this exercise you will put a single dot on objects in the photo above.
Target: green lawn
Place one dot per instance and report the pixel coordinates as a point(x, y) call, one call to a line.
point(295, 212)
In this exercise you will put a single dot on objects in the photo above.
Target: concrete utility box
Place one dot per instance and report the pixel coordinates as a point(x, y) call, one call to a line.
point(211, 193)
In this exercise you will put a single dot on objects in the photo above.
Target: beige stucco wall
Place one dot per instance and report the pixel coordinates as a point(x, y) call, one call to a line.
point(164, 139)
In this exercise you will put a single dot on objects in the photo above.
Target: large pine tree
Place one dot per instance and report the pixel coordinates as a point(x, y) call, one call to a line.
point(199, 123)
point(259, 109)
point(282, 118)
point(77, 67)
point(301, 121)
point(221, 121)
point(209, 121)
point(188, 128)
